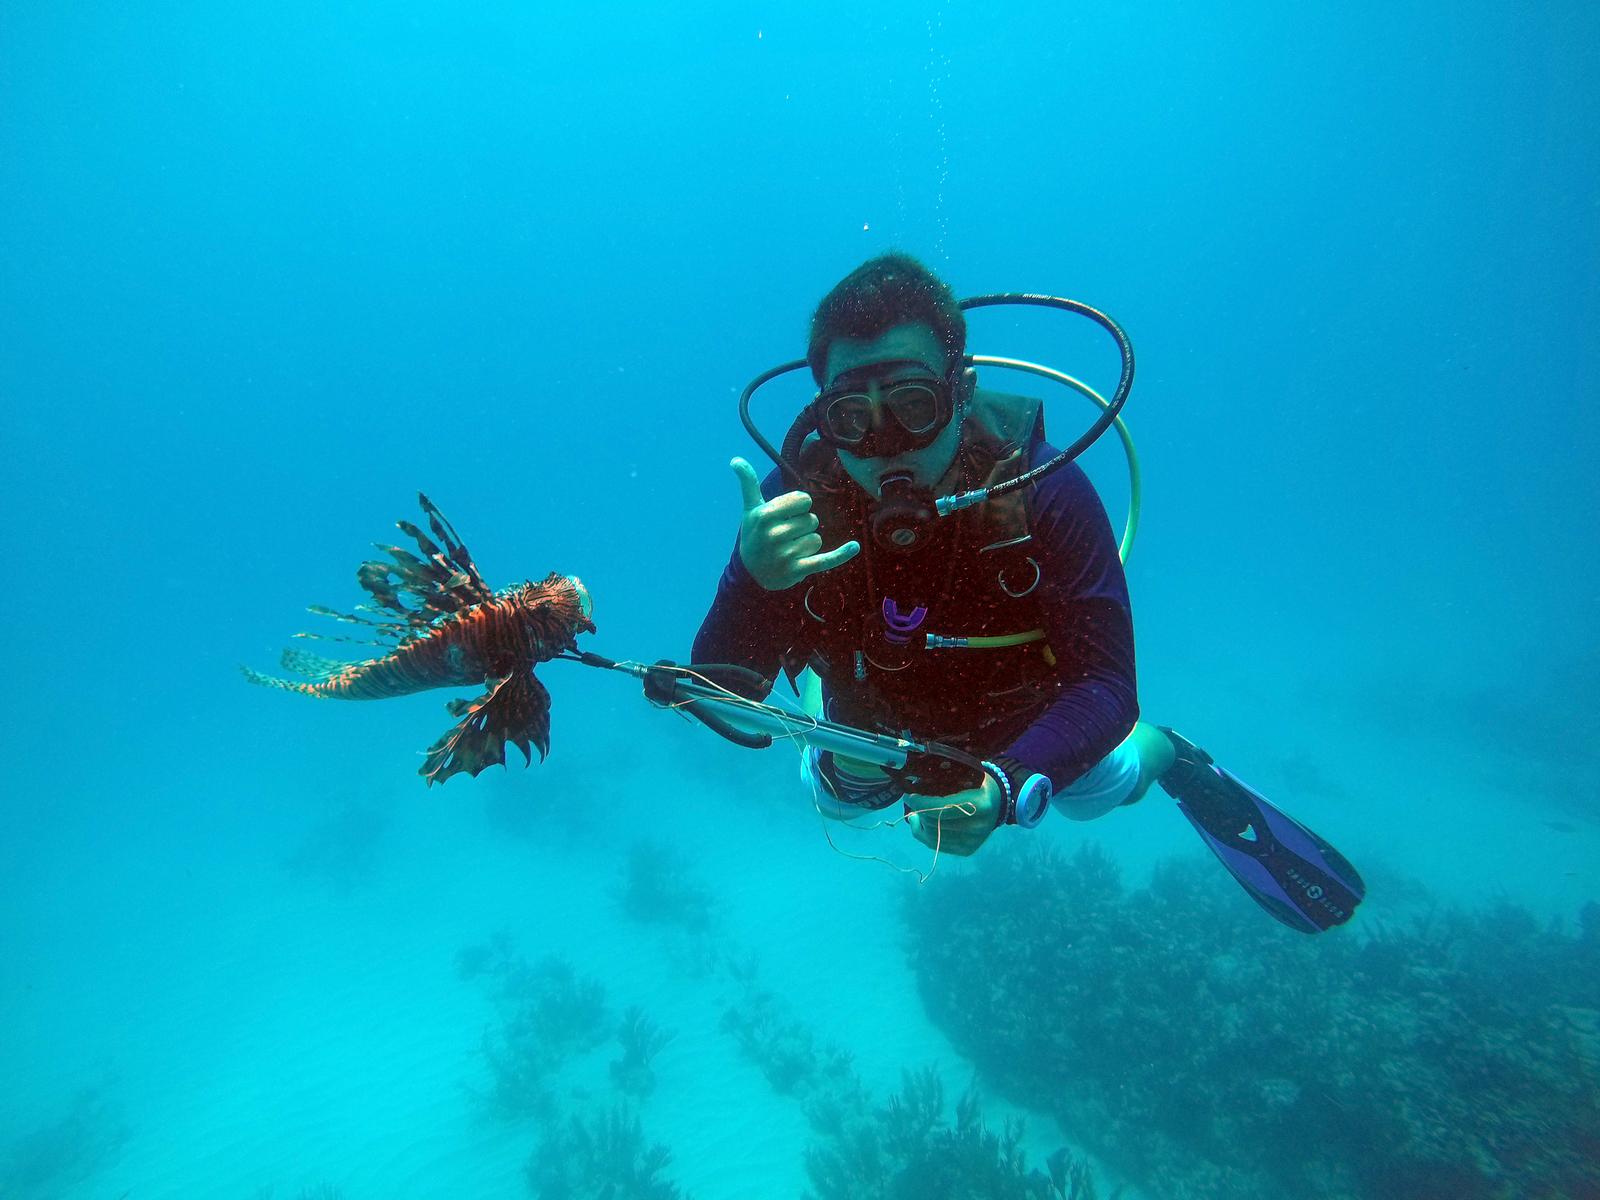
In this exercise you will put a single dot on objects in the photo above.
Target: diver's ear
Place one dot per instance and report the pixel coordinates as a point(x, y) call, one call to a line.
point(967, 382)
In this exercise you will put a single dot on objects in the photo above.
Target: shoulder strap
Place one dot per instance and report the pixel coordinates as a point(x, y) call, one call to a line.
point(998, 439)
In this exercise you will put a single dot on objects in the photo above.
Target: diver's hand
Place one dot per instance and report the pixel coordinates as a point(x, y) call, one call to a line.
point(959, 823)
point(778, 539)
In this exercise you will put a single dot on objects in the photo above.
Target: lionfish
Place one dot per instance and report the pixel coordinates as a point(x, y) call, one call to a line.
point(458, 633)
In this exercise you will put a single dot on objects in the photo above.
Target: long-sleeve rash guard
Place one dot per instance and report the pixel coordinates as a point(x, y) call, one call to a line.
point(1083, 602)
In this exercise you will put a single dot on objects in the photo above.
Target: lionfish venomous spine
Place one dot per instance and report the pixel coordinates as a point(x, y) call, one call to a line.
point(458, 633)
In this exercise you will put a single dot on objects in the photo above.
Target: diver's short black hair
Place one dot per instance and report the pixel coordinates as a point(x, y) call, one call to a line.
point(892, 289)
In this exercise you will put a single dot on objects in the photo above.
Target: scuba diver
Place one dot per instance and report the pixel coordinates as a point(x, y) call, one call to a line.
point(1003, 629)
point(971, 670)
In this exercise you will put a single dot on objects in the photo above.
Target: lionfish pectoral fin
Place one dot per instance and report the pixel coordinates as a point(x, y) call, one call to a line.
point(443, 580)
point(515, 710)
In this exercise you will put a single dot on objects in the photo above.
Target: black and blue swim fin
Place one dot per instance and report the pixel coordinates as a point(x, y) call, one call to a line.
point(1288, 870)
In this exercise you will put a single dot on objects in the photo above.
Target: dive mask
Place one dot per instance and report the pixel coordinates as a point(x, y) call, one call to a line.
point(873, 419)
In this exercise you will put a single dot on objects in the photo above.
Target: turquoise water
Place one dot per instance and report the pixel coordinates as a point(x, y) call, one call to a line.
point(268, 274)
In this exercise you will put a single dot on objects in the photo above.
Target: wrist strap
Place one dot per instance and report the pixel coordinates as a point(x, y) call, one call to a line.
point(1027, 792)
point(1008, 804)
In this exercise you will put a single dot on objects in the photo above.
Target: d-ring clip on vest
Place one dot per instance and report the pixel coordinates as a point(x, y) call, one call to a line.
point(1004, 587)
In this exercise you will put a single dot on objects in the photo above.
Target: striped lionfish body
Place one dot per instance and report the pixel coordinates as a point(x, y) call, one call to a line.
point(456, 633)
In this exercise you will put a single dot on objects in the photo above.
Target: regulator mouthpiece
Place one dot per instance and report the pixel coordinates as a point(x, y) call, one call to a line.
point(903, 516)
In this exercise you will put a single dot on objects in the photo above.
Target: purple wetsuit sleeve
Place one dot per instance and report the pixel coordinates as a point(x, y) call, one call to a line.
point(1088, 621)
point(748, 626)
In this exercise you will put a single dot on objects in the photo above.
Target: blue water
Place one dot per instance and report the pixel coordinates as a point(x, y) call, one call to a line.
point(265, 274)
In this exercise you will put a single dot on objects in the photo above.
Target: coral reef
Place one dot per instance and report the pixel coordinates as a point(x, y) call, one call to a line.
point(640, 1039)
point(340, 851)
point(657, 889)
point(547, 1015)
point(785, 1049)
point(600, 1157)
point(1209, 1053)
point(907, 1148)
point(58, 1155)
point(903, 1148)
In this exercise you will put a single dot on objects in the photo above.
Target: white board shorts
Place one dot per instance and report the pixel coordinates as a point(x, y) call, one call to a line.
point(1093, 794)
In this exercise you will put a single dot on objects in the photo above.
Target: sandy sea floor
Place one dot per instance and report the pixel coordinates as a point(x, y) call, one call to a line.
point(256, 1031)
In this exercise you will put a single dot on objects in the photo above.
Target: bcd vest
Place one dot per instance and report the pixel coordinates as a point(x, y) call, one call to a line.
point(867, 624)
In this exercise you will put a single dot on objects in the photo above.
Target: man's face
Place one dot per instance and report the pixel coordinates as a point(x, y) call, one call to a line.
point(895, 349)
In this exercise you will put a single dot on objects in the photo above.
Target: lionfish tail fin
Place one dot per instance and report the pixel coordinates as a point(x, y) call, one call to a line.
point(272, 681)
point(310, 666)
point(515, 710)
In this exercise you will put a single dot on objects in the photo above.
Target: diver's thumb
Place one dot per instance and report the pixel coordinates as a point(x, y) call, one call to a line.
point(749, 486)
